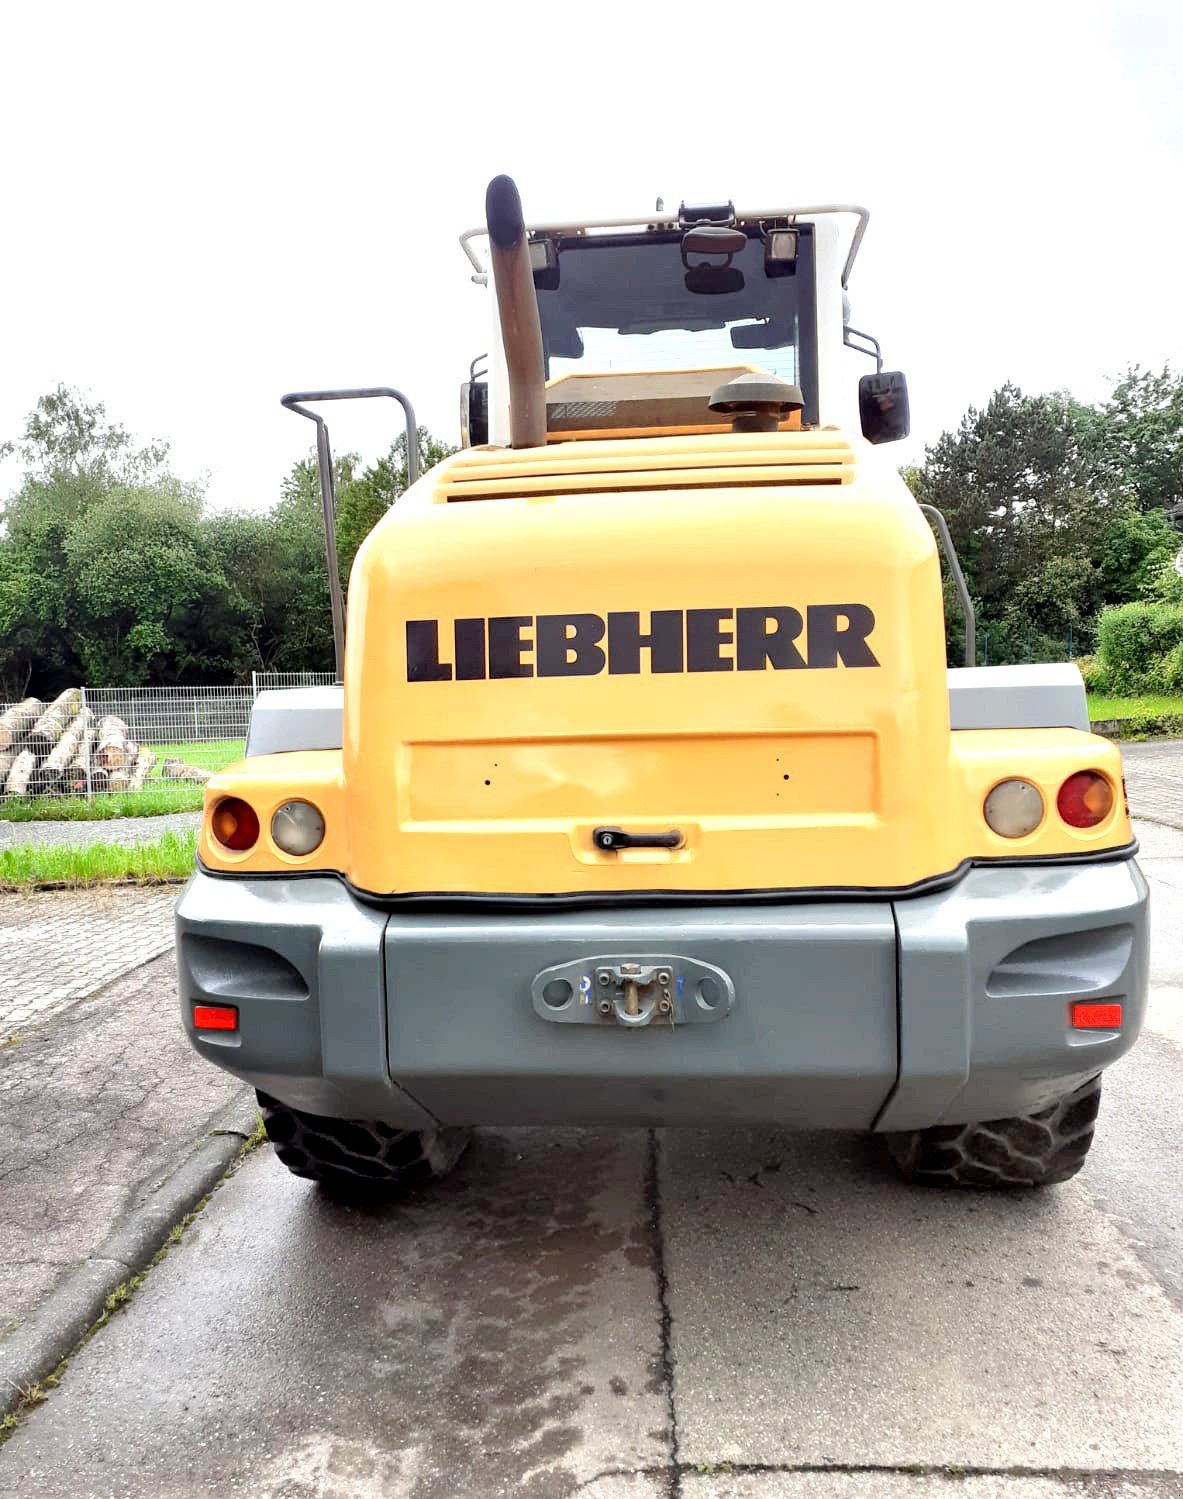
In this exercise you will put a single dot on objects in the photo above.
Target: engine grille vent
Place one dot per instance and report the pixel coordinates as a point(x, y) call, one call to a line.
point(706, 462)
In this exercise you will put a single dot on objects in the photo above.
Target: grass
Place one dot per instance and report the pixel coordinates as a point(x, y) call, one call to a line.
point(209, 754)
point(1101, 708)
point(33, 865)
point(157, 798)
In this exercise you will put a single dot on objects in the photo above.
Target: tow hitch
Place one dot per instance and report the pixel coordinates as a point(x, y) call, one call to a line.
point(633, 992)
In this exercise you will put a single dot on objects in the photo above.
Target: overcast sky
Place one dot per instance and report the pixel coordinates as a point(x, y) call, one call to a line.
point(207, 205)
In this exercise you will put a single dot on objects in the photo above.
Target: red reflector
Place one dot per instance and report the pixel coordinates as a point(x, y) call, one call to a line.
point(217, 1017)
point(1105, 1016)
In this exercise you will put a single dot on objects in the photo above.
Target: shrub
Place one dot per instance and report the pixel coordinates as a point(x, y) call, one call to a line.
point(1137, 644)
point(1096, 678)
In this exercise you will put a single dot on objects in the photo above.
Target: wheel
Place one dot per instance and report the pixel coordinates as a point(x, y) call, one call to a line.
point(357, 1156)
point(1034, 1150)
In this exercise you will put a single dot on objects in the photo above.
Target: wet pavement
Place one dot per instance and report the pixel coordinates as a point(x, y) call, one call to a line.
point(710, 1314)
point(96, 1105)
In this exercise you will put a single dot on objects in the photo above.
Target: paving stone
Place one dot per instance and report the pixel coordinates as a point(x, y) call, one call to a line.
point(59, 946)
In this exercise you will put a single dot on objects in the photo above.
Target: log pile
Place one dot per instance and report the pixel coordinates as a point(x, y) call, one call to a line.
point(58, 749)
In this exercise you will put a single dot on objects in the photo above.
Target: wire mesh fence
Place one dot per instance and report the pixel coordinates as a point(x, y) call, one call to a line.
point(265, 679)
point(158, 745)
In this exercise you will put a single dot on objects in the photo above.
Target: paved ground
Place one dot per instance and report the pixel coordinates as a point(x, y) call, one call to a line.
point(94, 1106)
point(1154, 779)
point(107, 830)
point(58, 946)
point(716, 1315)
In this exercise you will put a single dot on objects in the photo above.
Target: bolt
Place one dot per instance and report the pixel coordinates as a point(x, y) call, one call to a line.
point(605, 1007)
point(663, 977)
point(605, 978)
point(664, 1006)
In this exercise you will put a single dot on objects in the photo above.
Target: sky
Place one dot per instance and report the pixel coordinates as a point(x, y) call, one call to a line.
point(209, 205)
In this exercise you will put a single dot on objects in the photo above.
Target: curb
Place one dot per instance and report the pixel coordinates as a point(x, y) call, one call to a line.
point(53, 1331)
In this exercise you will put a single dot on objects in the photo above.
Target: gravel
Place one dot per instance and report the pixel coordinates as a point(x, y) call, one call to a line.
point(111, 830)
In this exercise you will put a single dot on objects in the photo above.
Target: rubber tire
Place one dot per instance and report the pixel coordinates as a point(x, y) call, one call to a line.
point(1034, 1150)
point(356, 1157)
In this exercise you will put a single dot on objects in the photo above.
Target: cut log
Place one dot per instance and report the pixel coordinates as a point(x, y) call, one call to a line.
point(114, 743)
point(177, 770)
point(6, 759)
point(145, 760)
point(77, 774)
point(56, 765)
point(52, 724)
point(21, 773)
point(17, 721)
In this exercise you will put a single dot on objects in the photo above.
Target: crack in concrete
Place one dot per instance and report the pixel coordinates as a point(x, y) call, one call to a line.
point(666, 1321)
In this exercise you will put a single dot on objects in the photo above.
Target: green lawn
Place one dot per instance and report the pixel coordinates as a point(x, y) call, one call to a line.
point(1101, 708)
point(31, 865)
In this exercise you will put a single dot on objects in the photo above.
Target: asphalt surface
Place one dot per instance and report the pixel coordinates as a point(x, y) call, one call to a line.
point(75, 831)
point(709, 1314)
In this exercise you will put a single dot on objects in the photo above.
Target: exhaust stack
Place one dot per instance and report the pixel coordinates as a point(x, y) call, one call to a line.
point(517, 307)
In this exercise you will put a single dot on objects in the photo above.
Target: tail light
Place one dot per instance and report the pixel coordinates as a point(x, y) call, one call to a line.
point(1085, 799)
point(1013, 808)
point(235, 824)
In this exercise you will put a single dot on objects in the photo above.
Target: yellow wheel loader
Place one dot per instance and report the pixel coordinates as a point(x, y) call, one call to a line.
point(646, 796)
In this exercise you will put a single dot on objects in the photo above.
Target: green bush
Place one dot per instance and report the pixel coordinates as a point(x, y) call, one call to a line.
point(1138, 646)
point(1096, 678)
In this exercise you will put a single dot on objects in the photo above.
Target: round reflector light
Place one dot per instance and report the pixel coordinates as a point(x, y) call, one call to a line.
point(1085, 799)
point(297, 828)
point(234, 824)
point(1014, 808)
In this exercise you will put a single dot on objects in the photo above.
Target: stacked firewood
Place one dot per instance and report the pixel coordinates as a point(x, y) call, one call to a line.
point(61, 750)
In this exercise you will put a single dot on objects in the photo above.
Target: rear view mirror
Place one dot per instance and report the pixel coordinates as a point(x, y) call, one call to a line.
point(474, 413)
point(883, 406)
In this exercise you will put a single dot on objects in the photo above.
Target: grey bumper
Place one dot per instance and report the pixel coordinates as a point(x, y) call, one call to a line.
point(860, 1014)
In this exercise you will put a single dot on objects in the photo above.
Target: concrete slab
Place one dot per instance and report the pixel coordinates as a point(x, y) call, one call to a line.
point(94, 1106)
point(824, 1313)
point(495, 1335)
point(879, 1485)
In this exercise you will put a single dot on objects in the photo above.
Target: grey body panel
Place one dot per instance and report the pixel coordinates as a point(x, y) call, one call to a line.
point(809, 1041)
point(296, 718)
point(893, 1015)
point(1018, 697)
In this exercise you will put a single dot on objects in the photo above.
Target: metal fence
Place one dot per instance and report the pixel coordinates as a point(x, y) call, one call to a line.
point(158, 743)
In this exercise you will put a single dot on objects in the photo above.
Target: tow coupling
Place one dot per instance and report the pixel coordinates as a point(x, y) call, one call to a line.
point(633, 992)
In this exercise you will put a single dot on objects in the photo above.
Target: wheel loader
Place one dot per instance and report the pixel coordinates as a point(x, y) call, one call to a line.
point(646, 796)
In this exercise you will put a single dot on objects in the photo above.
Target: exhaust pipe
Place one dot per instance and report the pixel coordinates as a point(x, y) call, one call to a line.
point(517, 308)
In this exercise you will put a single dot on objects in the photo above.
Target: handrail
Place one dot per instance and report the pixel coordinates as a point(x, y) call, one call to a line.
point(673, 220)
point(295, 401)
point(941, 526)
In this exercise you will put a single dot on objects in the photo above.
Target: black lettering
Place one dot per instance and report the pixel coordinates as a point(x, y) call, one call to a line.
point(507, 645)
point(756, 644)
point(423, 652)
point(469, 637)
point(828, 644)
point(568, 645)
point(704, 636)
point(664, 642)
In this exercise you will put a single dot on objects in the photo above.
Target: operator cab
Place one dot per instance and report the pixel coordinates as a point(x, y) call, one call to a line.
point(644, 325)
